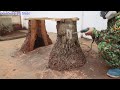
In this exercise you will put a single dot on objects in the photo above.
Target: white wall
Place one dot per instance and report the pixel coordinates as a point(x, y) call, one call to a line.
point(51, 25)
point(93, 19)
point(90, 19)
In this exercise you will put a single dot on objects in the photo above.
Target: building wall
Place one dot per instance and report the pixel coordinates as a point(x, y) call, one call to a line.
point(15, 19)
point(5, 26)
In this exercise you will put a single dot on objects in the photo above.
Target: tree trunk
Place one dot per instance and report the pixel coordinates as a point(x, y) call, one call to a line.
point(36, 37)
point(66, 53)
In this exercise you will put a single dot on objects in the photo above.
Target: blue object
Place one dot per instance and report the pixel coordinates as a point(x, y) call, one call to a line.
point(115, 73)
point(84, 30)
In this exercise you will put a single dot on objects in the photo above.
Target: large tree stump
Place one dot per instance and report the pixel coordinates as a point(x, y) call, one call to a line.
point(66, 53)
point(36, 37)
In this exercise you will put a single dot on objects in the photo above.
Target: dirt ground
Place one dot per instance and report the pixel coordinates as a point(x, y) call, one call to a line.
point(14, 35)
point(34, 64)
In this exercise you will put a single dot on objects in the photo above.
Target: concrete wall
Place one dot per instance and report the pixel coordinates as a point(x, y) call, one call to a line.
point(15, 19)
point(5, 26)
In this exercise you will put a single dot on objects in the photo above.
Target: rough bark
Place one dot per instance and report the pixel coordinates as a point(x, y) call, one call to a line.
point(66, 53)
point(36, 37)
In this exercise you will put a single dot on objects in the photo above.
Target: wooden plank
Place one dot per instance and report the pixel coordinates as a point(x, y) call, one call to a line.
point(53, 19)
point(42, 18)
point(60, 19)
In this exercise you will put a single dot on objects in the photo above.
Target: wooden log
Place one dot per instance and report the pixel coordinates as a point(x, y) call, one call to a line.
point(43, 32)
point(66, 53)
point(33, 34)
point(36, 37)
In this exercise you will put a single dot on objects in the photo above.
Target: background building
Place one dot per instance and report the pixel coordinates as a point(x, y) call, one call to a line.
point(9, 22)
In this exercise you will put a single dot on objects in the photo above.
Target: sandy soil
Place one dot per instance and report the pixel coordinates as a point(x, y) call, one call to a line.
point(14, 35)
point(34, 64)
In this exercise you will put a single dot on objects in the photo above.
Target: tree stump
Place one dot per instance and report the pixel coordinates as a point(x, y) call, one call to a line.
point(36, 37)
point(66, 53)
